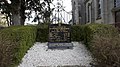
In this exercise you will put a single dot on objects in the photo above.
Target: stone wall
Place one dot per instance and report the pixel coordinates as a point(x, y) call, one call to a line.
point(78, 11)
point(88, 9)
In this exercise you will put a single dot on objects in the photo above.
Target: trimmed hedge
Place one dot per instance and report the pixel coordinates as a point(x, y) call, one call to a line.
point(77, 33)
point(14, 43)
point(102, 40)
point(81, 33)
point(42, 33)
point(104, 43)
point(90, 30)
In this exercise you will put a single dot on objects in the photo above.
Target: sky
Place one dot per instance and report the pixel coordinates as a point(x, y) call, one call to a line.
point(66, 4)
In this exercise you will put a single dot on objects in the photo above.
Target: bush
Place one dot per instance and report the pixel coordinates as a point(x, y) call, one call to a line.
point(77, 33)
point(14, 43)
point(81, 33)
point(42, 33)
point(104, 43)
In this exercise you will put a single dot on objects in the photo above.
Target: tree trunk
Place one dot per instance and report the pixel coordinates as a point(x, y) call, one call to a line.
point(22, 19)
point(8, 23)
point(16, 19)
point(22, 12)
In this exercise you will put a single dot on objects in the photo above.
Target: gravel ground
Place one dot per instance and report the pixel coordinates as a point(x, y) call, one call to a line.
point(39, 55)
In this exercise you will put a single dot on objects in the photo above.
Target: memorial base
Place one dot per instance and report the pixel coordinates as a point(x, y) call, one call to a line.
point(60, 45)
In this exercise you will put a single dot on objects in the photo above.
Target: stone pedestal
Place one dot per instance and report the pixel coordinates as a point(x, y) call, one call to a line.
point(60, 45)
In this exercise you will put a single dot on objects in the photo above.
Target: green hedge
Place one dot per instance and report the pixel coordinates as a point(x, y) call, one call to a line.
point(42, 33)
point(104, 42)
point(91, 29)
point(81, 33)
point(77, 33)
point(14, 43)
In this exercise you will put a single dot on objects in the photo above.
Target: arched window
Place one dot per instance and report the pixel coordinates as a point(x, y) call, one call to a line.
point(89, 12)
point(117, 3)
point(74, 5)
point(98, 9)
point(114, 3)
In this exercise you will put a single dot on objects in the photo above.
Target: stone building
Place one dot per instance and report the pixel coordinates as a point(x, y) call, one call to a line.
point(116, 11)
point(78, 16)
point(97, 11)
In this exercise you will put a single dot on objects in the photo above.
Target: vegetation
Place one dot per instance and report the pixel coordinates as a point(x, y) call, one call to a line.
point(15, 10)
point(81, 33)
point(14, 43)
point(102, 40)
point(42, 33)
point(104, 43)
point(75, 33)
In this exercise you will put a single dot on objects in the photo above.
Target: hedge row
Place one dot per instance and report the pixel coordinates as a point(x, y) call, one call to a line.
point(81, 33)
point(42, 33)
point(14, 43)
point(104, 43)
point(75, 33)
point(90, 30)
point(102, 40)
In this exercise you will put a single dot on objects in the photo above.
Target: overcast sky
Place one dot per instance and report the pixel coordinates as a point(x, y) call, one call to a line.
point(66, 3)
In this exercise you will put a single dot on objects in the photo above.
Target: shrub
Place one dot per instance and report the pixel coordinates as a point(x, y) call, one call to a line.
point(90, 30)
point(81, 33)
point(104, 43)
point(14, 43)
point(87, 36)
point(42, 33)
point(77, 33)
point(1, 27)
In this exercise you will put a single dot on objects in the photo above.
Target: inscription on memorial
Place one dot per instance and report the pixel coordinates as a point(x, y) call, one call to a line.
point(59, 33)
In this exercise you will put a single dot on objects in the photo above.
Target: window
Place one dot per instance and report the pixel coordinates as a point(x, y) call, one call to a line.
point(98, 9)
point(88, 13)
point(79, 10)
point(114, 3)
point(74, 5)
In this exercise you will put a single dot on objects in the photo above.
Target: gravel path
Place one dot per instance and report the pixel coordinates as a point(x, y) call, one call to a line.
point(39, 55)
